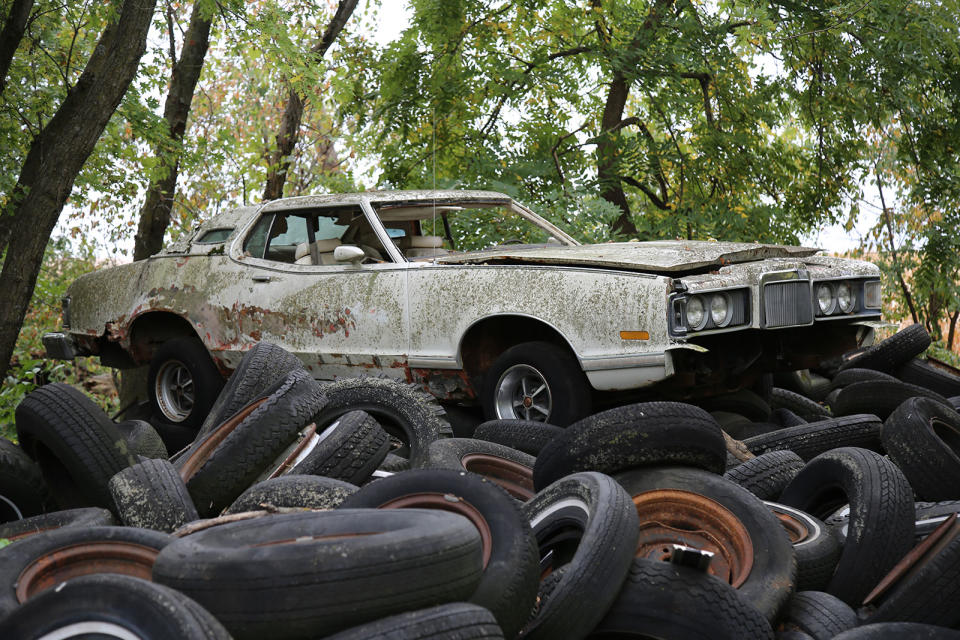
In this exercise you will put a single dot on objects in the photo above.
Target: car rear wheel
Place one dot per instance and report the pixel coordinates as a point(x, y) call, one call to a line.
point(537, 381)
point(183, 382)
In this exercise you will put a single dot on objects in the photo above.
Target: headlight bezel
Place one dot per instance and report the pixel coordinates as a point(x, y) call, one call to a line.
point(858, 291)
point(739, 309)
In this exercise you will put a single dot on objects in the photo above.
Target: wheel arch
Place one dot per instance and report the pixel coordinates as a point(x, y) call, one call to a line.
point(490, 336)
point(149, 330)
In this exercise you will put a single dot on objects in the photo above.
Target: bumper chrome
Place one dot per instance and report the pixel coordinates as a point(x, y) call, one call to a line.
point(60, 346)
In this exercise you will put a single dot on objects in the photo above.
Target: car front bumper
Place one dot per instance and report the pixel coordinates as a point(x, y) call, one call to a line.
point(60, 346)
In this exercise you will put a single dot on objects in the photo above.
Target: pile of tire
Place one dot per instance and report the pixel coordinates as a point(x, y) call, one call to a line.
point(348, 511)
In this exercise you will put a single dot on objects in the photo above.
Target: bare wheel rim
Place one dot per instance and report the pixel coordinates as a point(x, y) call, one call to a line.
point(174, 391)
point(522, 393)
point(92, 627)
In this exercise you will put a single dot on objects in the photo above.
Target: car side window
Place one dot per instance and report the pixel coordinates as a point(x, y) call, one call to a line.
point(257, 240)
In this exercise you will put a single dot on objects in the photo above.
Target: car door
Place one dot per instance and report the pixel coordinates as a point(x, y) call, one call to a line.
point(341, 319)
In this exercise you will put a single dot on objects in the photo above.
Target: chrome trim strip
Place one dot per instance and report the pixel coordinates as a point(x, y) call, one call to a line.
point(602, 363)
point(433, 362)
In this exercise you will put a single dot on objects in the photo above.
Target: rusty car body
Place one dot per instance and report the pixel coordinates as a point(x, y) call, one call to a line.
point(471, 295)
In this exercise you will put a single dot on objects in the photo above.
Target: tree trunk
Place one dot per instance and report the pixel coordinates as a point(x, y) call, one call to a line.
point(278, 162)
point(57, 155)
point(11, 35)
point(611, 188)
point(953, 329)
point(155, 215)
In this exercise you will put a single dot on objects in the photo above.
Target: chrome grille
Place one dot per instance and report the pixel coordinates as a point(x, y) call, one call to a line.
point(787, 303)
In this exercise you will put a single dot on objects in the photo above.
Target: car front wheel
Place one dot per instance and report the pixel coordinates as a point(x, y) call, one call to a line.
point(183, 382)
point(536, 381)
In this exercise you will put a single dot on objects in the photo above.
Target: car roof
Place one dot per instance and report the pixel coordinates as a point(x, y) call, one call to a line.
point(392, 198)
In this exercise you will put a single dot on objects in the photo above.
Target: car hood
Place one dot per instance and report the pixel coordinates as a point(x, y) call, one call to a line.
point(668, 257)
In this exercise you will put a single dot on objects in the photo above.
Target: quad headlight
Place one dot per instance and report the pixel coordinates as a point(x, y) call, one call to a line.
point(696, 313)
point(710, 310)
point(846, 299)
point(826, 300)
point(838, 298)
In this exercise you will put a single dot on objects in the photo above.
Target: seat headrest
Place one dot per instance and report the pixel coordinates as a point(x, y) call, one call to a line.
point(323, 246)
point(421, 242)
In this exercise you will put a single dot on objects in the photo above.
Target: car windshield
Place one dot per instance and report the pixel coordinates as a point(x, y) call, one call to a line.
point(423, 231)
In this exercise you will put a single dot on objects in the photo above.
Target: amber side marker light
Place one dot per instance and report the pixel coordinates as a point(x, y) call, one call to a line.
point(634, 335)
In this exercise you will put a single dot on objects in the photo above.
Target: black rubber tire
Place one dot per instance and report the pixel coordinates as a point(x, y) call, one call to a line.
point(635, 435)
point(408, 414)
point(511, 573)
point(82, 517)
point(259, 577)
point(766, 475)
point(220, 466)
point(929, 592)
point(899, 631)
point(558, 367)
point(743, 402)
point(528, 436)
point(509, 468)
point(138, 607)
point(459, 620)
point(142, 439)
point(772, 575)
point(818, 614)
point(853, 375)
point(894, 352)
point(805, 382)
point(954, 402)
point(811, 439)
point(665, 600)
point(816, 546)
point(463, 420)
point(350, 449)
point(808, 409)
point(206, 379)
point(787, 418)
point(297, 491)
point(927, 374)
point(152, 495)
point(75, 443)
point(881, 507)
point(923, 437)
point(880, 397)
point(263, 368)
point(23, 492)
point(594, 563)
point(34, 564)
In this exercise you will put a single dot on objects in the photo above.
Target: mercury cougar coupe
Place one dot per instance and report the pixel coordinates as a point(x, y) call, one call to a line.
point(469, 294)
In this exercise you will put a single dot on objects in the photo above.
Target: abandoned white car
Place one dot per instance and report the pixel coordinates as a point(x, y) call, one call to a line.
point(469, 294)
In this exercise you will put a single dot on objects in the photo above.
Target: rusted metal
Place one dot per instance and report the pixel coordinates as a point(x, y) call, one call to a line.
point(940, 537)
point(453, 504)
point(305, 441)
point(796, 530)
point(515, 478)
point(200, 455)
point(444, 384)
point(671, 516)
point(82, 559)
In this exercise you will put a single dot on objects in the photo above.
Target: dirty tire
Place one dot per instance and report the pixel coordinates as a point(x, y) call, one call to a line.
point(635, 435)
point(258, 578)
point(206, 380)
point(787, 418)
point(508, 588)
point(923, 437)
point(120, 604)
point(460, 620)
point(142, 439)
point(557, 367)
point(350, 449)
point(509, 468)
point(220, 466)
point(850, 376)
point(811, 439)
point(879, 397)
point(76, 445)
point(805, 382)
point(594, 565)
point(892, 353)
point(23, 492)
point(929, 592)
point(739, 427)
point(263, 368)
point(816, 546)
point(151, 495)
point(766, 475)
point(743, 402)
point(881, 514)
point(528, 436)
point(42, 561)
point(928, 375)
point(899, 631)
point(772, 575)
point(293, 491)
point(807, 409)
point(406, 413)
point(818, 614)
point(664, 600)
point(82, 517)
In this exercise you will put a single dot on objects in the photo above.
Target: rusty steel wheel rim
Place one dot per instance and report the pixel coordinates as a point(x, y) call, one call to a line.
point(515, 478)
point(49, 570)
point(453, 504)
point(796, 530)
point(673, 516)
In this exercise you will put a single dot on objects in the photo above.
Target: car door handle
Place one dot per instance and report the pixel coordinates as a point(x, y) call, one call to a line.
point(262, 278)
